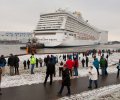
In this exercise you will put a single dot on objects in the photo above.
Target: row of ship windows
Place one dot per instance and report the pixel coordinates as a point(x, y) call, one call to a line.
point(45, 22)
point(40, 24)
point(57, 19)
point(53, 27)
point(48, 24)
point(16, 35)
point(48, 39)
point(59, 16)
point(82, 35)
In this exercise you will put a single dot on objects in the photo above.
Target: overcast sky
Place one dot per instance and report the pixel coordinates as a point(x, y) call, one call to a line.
point(23, 15)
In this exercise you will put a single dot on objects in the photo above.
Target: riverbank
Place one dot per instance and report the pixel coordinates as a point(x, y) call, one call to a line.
point(25, 78)
point(15, 49)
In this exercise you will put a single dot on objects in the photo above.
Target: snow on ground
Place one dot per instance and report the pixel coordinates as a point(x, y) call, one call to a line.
point(25, 78)
point(105, 93)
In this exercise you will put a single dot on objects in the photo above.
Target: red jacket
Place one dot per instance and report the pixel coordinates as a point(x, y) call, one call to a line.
point(76, 63)
point(70, 64)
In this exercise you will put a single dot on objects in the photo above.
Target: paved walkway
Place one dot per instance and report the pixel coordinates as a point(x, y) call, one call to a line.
point(39, 92)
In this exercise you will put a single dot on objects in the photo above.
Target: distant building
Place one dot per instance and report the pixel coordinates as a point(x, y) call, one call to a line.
point(21, 37)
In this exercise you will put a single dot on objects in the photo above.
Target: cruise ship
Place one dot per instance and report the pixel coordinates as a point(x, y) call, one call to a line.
point(63, 28)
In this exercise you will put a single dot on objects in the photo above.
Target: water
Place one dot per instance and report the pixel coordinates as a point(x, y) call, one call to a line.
point(78, 49)
point(8, 49)
point(15, 49)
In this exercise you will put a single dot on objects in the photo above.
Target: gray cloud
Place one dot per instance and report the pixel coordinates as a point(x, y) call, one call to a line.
point(22, 15)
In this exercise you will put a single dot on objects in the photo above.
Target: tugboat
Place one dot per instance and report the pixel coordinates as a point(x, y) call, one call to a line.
point(32, 45)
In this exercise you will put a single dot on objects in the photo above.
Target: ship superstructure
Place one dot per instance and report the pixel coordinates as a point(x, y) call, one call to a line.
point(63, 28)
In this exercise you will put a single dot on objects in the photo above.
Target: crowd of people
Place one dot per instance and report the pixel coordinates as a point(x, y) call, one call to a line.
point(68, 66)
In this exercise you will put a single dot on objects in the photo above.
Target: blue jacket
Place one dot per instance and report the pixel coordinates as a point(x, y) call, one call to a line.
point(2, 62)
point(96, 63)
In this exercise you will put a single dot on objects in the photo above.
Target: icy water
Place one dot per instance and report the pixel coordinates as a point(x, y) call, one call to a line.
point(78, 49)
point(15, 49)
point(8, 49)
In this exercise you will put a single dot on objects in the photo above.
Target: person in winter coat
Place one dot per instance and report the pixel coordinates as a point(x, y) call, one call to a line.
point(46, 59)
point(36, 63)
point(65, 81)
point(2, 64)
point(70, 65)
point(99, 53)
point(49, 71)
point(76, 64)
point(24, 63)
point(16, 64)
point(11, 64)
point(102, 65)
point(92, 77)
point(118, 67)
point(54, 62)
point(96, 64)
point(60, 68)
point(0, 80)
point(107, 57)
point(32, 62)
point(83, 62)
point(64, 57)
point(28, 63)
point(40, 61)
point(106, 66)
point(87, 60)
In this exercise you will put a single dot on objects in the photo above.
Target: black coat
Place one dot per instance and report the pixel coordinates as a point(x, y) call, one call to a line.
point(11, 61)
point(16, 61)
point(66, 78)
point(50, 68)
point(28, 62)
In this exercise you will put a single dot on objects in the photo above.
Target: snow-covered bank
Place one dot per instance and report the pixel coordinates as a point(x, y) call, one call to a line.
point(25, 78)
point(105, 93)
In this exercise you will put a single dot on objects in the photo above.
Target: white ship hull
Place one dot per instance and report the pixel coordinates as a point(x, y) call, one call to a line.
point(63, 40)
